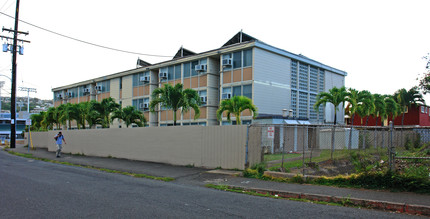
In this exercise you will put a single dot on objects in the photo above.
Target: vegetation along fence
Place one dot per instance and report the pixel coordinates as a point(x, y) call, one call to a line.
point(281, 143)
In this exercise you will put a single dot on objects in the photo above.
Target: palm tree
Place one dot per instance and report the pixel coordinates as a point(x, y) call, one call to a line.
point(367, 106)
point(130, 115)
point(392, 108)
point(355, 101)
point(51, 118)
point(380, 108)
point(335, 96)
point(104, 110)
point(236, 105)
point(407, 98)
point(83, 109)
point(175, 98)
point(36, 121)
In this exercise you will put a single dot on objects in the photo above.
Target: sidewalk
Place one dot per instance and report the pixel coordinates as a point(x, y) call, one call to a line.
point(402, 201)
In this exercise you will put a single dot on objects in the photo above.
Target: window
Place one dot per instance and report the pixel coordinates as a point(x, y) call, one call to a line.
point(203, 93)
point(177, 72)
point(247, 91)
point(170, 71)
point(237, 59)
point(105, 86)
point(422, 109)
point(237, 91)
point(163, 70)
point(120, 83)
point(136, 79)
point(247, 58)
point(226, 90)
point(193, 68)
point(187, 69)
point(227, 56)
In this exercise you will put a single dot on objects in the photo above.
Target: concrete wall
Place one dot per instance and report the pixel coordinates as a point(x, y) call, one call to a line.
point(212, 146)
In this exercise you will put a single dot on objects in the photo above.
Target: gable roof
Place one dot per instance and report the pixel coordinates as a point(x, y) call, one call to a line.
point(240, 37)
point(182, 52)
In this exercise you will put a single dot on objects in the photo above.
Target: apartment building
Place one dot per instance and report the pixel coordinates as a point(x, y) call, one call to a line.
point(273, 78)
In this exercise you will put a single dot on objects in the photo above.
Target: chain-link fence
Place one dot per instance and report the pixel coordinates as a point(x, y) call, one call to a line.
point(282, 143)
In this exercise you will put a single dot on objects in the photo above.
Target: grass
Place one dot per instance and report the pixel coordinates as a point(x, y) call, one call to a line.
point(270, 157)
point(324, 156)
point(255, 193)
point(137, 175)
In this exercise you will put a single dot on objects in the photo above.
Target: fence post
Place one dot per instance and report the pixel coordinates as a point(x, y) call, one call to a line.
point(246, 150)
point(283, 146)
point(390, 147)
point(332, 140)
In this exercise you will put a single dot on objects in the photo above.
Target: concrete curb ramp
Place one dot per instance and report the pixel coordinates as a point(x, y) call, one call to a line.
point(373, 204)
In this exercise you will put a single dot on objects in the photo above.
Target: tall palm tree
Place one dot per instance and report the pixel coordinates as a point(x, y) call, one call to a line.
point(367, 106)
point(36, 121)
point(175, 98)
point(392, 108)
point(104, 110)
point(236, 105)
point(83, 109)
point(408, 98)
point(335, 96)
point(51, 117)
point(355, 100)
point(380, 107)
point(130, 115)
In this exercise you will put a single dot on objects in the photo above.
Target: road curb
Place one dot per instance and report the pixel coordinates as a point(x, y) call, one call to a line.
point(373, 204)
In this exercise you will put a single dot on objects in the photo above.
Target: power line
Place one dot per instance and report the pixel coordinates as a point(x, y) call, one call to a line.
point(82, 41)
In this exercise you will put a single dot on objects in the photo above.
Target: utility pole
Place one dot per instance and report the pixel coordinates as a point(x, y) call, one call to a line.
point(28, 95)
point(1, 87)
point(13, 89)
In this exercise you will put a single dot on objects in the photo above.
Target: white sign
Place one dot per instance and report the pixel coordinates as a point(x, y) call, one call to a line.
point(270, 132)
point(28, 122)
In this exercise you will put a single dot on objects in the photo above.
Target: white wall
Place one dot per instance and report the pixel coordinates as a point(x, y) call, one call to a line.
point(272, 91)
point(210, 146)
point(334, 80)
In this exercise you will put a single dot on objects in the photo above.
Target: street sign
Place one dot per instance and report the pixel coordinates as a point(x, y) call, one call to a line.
point(28, 122)
point(270, 132)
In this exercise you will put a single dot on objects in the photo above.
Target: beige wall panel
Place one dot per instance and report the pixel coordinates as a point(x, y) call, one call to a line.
point(246, 113)
point(169, 115)
point(203, 81)
point(146, 90)
point(187, 115)
point(120, 94)
point(237, 75)
point(146, 114)
point(247, 74)
point(226, 78)
point(187, 83)
point(57, 103)
point(203, 114)
point(171, 83)
point(127, 90)
point(114, 89)
point(84, 99)
point(194, 82)
point(178, 81)
point(211, 146)
point(73, 100)
point(163, 115)
point(140, 91)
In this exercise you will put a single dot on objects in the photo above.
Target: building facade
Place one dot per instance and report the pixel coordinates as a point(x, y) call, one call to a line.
point(273, 78)
point(415, 115)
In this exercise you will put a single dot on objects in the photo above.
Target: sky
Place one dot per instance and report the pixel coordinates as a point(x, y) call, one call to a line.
point(380, 44)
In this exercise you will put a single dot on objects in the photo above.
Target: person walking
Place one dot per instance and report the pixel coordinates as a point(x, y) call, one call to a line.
point(59, 138)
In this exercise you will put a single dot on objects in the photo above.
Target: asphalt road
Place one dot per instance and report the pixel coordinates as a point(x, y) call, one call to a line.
point(37, 189)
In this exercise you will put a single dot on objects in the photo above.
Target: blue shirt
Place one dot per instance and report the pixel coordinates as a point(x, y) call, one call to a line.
point(60, 139)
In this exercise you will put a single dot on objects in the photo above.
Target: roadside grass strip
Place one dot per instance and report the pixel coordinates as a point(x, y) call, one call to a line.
point(329, 200)
point(137, 175)
point(277, 196)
